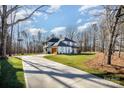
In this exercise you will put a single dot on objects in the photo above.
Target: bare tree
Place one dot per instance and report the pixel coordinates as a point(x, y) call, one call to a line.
point(120, 40)
point(4, 13)
point(13, 16)
point(103, 36)
point(40, 42)
point(71, 32)
point(79, 39)
point(26, 38)
point(94, 31)
point(112, 17)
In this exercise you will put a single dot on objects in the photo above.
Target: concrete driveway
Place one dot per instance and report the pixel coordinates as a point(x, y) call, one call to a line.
point(43, 73)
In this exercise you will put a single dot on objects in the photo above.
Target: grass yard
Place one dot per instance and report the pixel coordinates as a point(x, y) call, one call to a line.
point(80, 62)
point(12, 75)
point(77, 61)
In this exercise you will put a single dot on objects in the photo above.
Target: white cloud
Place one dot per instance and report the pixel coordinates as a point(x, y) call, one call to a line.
point(79, 21)
point(85, 26)
point(58, 30)
point(96, 11)
point(34, 31)
point(45, 16)
point(83, 8)
point(28, 22)
point(53, 8)
point(38, 13)
point(20, 14)
point(25, 12)
point(91, 18)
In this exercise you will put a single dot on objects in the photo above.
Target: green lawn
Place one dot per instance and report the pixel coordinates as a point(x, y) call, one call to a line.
point(79, 62)
point(12, 74)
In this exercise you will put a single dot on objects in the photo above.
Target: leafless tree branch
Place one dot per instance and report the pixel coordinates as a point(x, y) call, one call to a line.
point(23, 19)
point(13, 9)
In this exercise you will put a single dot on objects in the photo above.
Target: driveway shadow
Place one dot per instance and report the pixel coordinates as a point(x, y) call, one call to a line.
point(52, 74)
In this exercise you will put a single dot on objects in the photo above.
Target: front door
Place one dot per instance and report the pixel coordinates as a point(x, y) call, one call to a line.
point(54, 50)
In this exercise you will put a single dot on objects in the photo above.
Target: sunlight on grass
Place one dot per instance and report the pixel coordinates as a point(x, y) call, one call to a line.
point(77, 61)
point(12, 74)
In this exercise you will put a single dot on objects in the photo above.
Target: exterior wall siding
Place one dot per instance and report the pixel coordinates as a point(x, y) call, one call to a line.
point(65, 50)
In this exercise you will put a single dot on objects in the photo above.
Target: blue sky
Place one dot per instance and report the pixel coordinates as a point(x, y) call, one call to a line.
point(63, 17)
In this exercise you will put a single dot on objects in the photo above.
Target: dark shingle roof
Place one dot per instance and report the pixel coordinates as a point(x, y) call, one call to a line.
point(59, 42)
point(67, 39)
point(53, 40)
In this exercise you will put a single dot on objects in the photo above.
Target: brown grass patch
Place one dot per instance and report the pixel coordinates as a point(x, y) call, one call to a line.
point(99, 63)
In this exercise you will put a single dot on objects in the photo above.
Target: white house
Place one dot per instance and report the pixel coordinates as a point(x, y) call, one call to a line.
point(61, 46)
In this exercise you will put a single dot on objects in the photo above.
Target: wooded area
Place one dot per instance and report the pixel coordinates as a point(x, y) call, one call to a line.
point(106, 37)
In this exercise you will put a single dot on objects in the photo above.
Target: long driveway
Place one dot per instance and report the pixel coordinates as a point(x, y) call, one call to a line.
point(43, 73)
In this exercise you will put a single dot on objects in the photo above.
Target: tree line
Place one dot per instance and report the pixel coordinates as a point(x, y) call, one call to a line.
point(106, 36)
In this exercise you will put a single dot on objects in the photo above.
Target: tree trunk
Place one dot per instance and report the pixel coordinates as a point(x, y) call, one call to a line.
point(109, 52)
point(3, 44)
point(11, 37)
point(102, 50)
point(111, 44)
point(120, 44)
point(119, 52)
point(94, 43)
point(4, 32)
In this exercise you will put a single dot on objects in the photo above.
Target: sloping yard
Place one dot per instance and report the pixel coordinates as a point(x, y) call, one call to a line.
point(84, 62)
point(12, 75)
point(77, 61)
